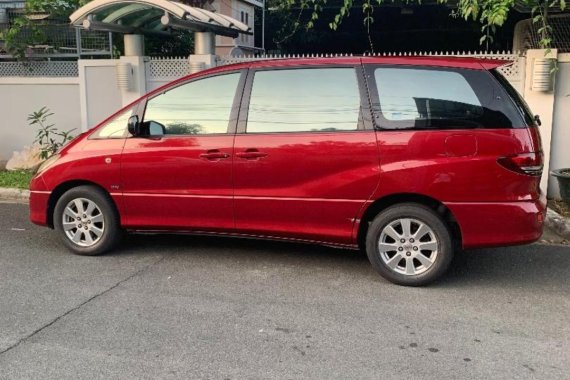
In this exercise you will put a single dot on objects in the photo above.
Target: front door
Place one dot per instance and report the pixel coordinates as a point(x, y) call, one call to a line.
point(305, 159)
point(178, 174)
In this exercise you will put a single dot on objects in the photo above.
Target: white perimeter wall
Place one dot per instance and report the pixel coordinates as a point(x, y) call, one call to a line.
point(99, 94)
point(21, 96)
point(77, 102)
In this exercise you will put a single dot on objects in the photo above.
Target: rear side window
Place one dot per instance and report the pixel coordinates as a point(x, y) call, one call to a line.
point(517, 99)
point(436, 98)
point(304, 100)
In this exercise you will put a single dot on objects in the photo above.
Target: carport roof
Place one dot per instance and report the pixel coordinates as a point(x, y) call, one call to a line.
point(148, 16)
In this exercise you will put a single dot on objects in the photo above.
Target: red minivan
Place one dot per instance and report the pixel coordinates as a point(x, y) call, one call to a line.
point(410, 159)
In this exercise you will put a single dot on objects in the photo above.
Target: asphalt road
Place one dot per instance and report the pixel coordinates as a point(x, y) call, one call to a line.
point(193, 307)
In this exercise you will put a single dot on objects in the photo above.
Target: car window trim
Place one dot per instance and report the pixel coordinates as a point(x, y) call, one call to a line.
point(234, 112)
point(100, 126)
point(376, 107)
point(365, 113)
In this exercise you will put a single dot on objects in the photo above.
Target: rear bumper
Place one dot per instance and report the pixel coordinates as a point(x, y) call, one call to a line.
point(499, 223)
point(39, 206)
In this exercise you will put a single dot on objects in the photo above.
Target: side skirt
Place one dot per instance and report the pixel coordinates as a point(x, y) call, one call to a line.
point(244, 236)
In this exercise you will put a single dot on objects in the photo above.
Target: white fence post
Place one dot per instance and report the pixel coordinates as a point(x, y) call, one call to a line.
point(99, 94)
point(541, 103)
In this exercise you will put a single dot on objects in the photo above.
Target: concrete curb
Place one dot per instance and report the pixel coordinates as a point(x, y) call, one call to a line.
point(557, 223)
point(553, 220)
point(14, 194)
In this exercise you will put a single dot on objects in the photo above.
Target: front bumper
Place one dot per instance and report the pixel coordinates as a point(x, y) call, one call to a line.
point(39, 201)
point(39, 207)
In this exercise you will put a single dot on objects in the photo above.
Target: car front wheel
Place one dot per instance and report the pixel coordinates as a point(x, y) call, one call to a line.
point(409, 244)
point(87, 221)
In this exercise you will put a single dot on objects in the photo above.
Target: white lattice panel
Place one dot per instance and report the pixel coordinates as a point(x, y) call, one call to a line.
point(167, 68)
point(514, 73)
point(39, 69)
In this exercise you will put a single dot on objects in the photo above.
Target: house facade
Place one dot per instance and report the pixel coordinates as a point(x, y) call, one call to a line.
point(5, 7)
point(244, 11)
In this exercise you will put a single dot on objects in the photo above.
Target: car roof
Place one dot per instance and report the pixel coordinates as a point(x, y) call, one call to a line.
point(435, 61)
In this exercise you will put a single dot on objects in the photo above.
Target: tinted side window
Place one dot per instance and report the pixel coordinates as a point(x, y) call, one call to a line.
point(439, 98)
point(517, 99)
point(304, 100)
point(116, 128)
point(425, 98)
point(199, 107)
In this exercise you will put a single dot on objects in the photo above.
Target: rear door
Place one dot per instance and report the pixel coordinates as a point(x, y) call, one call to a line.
point(305, 155)
point(442, 131)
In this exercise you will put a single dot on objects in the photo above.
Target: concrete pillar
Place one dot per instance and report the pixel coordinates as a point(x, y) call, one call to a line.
point(560, 152)
point(204, 43)
point(135, 68)
point(204, 50)
point(541, 103)
point(134, 45)
point(131, 69)
point(201, 62)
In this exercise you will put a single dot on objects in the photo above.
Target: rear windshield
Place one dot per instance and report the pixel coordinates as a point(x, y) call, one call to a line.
point(520, 103)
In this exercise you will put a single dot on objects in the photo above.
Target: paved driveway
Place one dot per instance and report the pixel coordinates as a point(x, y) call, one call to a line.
point(192, 307)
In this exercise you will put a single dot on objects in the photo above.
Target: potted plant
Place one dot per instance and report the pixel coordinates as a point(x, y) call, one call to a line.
point(563, 177)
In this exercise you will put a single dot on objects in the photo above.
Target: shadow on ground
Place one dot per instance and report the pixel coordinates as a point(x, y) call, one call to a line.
point(520, 266)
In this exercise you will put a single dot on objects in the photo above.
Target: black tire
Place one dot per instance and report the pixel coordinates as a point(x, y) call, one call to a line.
point(407, 253)
point(105, 211)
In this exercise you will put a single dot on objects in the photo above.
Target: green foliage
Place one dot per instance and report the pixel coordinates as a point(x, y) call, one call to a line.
point(19, 179)
point(49, 138)
point(24, 32)
point(55, 8)
point(184, 129)
point(20, 35)
point(179, 44)
point(491, 14)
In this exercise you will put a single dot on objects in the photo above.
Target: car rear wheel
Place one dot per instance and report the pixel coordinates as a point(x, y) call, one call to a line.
point(409, 244)
point(87, 221)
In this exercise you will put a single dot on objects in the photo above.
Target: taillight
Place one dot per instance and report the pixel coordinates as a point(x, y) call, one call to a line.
point(525, 163)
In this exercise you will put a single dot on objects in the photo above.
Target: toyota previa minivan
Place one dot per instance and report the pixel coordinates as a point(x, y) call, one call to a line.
point(408, 159)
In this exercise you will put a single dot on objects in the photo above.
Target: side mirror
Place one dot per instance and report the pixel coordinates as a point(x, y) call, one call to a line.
point(156, 129)
point(537, 120)
point(134, 125)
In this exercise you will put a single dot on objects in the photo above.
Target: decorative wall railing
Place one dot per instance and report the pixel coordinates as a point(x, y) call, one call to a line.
point(163, 70)
point(39, 69)
point(160, 71)
point(63, 41)
point(167, 67)
point(513, 72)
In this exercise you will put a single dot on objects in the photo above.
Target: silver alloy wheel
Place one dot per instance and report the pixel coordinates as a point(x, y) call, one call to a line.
point(408, 246)
point(83, 222)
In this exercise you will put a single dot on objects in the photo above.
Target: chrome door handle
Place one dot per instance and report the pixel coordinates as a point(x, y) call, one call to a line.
point(213, 155)
point(251, 154)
